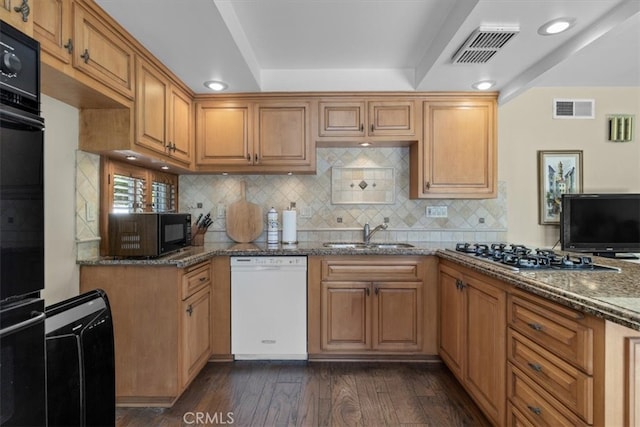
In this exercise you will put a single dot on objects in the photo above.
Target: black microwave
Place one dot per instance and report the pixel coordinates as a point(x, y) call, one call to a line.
point(148, 234)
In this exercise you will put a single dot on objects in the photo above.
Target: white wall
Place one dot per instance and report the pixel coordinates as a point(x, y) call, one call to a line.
point(525, 125)
point(60, 145)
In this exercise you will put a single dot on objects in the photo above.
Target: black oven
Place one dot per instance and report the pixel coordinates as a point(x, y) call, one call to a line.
point(22, 340)
point(22, 378)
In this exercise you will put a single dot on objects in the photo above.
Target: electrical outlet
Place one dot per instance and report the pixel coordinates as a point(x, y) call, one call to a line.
point(437, 211)
point(305, 212)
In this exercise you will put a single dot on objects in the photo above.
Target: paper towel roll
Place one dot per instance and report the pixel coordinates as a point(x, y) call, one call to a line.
point(289, 227)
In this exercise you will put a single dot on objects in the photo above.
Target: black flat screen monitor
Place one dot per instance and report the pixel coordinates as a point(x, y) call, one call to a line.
point(603, 224)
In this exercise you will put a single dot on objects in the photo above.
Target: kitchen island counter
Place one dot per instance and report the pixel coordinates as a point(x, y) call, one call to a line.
point(611, 295)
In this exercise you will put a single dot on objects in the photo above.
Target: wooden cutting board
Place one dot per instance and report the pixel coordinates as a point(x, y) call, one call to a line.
point(244, 219)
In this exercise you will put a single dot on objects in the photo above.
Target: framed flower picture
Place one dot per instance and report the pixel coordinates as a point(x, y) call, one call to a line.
point(559, 172)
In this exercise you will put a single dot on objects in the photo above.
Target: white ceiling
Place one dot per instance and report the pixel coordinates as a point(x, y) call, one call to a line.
point(383, 45)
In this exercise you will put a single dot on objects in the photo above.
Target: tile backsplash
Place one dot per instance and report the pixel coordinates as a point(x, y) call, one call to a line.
point(319, 219)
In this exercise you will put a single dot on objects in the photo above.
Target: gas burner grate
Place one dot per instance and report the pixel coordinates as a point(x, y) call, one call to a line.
point(518, 257)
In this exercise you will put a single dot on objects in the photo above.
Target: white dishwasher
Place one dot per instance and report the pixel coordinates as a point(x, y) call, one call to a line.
point(269, 307)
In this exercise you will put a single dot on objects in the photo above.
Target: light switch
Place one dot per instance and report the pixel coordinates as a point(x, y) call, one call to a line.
point(90, 212)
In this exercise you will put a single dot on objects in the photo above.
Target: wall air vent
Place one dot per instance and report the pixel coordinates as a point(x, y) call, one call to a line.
point(574, 108)
point(483, 43)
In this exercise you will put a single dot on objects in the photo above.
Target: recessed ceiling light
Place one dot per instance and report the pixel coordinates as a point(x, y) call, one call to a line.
point(556, 26)
point(216, 85)
point(365, 144)
point(131, 157)
point(483, 85)
point(165, 167)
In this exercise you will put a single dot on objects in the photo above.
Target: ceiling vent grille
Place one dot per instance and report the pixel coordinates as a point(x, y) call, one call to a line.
point(483, 43)
point(573, 108)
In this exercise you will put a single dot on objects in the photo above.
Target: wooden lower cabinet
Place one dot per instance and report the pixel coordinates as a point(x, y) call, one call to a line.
point(162, 319)
point(556, 357)
point(472, 336)
point(622, 380)
point(358, 316)
point(389, 310)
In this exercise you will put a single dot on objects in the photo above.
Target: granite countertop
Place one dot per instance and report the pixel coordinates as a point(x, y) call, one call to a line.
point(611, 295)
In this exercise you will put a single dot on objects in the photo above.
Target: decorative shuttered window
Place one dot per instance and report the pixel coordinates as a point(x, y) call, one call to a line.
point(129, 194)
point(163, 195)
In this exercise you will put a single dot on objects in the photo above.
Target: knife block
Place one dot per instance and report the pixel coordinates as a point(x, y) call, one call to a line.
point(197, 238)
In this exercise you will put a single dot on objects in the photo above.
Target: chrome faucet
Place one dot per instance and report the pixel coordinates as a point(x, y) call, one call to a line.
point(366, 233)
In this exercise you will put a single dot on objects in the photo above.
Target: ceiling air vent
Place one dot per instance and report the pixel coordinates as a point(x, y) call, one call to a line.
point(574, 108)
point(483, 43)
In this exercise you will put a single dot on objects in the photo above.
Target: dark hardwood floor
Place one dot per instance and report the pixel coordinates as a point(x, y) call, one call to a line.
point(278, 393)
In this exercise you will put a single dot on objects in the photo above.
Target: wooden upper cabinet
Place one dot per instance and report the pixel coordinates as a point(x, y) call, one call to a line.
point(180, 124)
point(254, 137)
point(101, 53)
point(282, 136)
point(347, 119)
point(152, 94)
point(391, 118)
point(52, 28)
point(163, 114)
point(15, 18)
point(223, 134)
point(457, 156)
point(342, 118)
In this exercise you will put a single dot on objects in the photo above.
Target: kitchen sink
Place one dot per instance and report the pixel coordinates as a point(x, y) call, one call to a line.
point(361, 245)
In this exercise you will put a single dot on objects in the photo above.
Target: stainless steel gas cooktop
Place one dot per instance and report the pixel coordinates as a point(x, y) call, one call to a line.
point(519, 257)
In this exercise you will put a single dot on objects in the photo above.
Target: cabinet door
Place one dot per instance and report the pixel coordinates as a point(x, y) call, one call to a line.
point(152, 91)
point(345, 316)
point(282, 136)
point(14, 18)
point(342, 119)
point(485, 364)
point(180, 126)
point(459, 149)
point(100, 53)
point(391, 118)
point(397, 316)
point(452, 322)
point(196, 335)
point(52, 28)
point(223, 134)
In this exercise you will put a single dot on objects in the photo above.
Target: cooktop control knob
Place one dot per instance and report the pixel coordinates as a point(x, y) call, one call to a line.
point(10, 64)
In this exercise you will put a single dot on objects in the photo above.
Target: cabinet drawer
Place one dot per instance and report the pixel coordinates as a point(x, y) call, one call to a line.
point(516, 419)
point(538, 406)
point(553, 330)
point(562, 380)
point(195, 279)
point(372, 269)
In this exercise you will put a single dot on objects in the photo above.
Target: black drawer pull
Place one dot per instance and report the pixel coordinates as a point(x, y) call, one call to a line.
point(536, 326)
point(535, 409)
point(535, 366)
